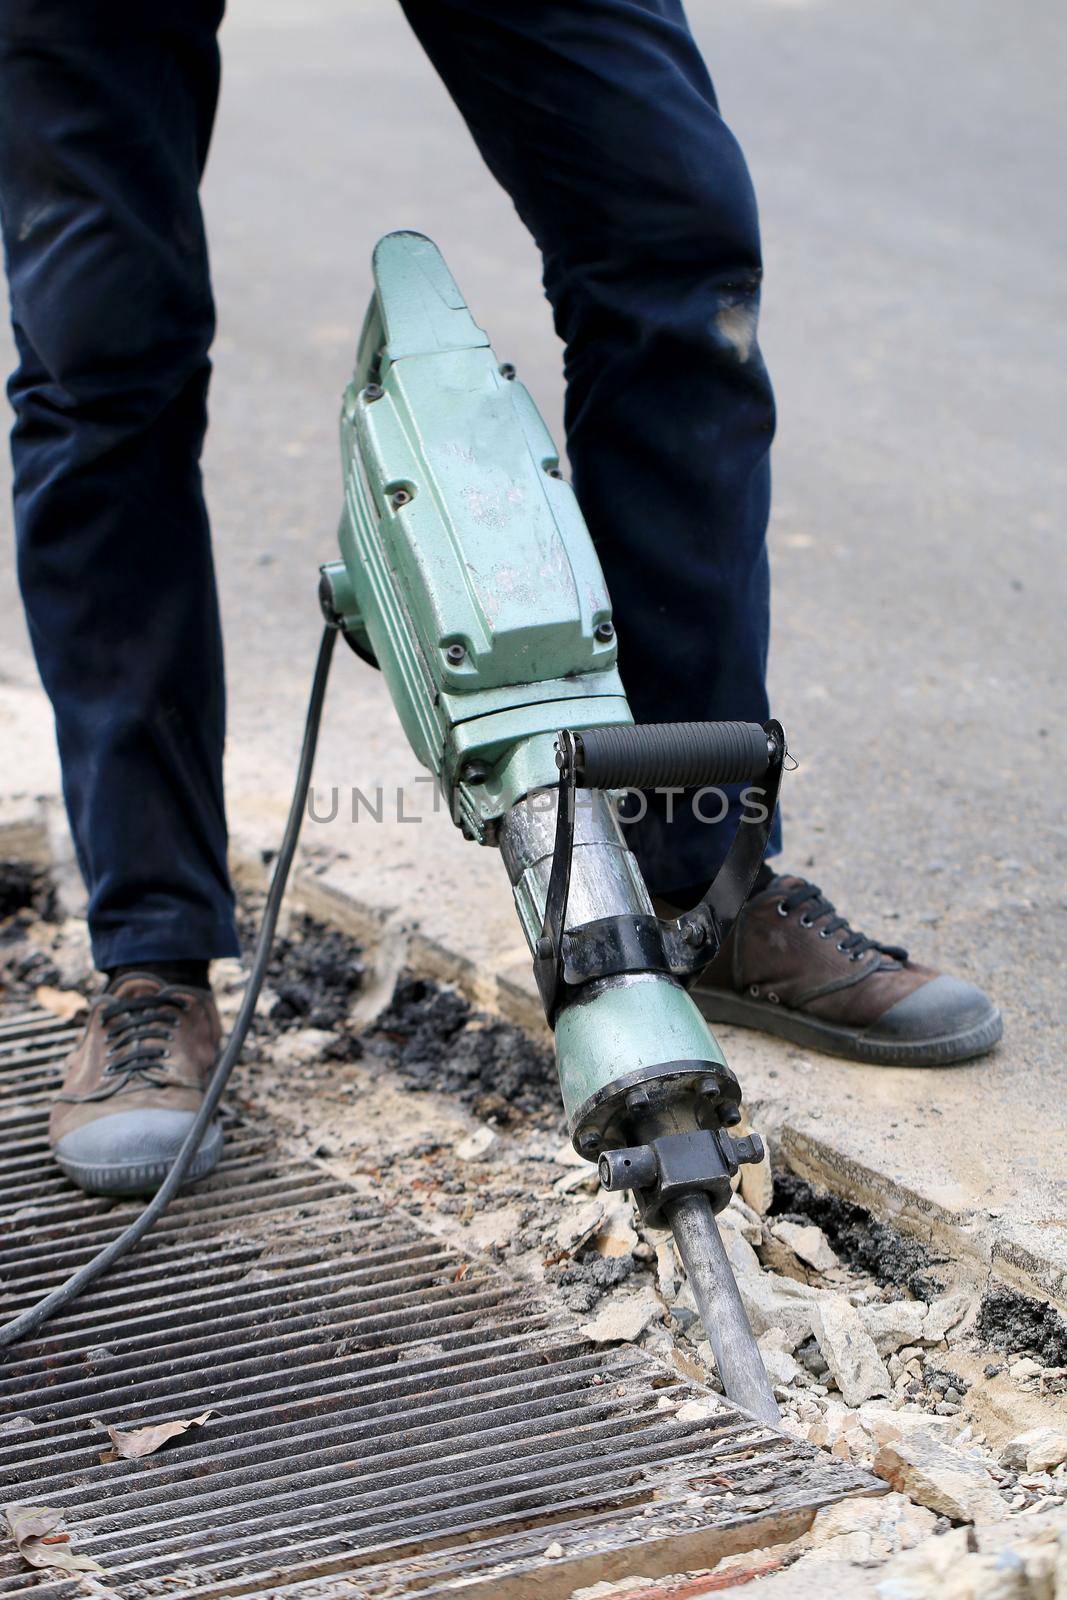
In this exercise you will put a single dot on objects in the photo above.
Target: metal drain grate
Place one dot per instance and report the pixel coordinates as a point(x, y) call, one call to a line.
point(393, 1419)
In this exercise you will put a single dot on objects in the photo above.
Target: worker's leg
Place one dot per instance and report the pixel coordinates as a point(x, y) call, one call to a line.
point(105, 116)
point(600, 119)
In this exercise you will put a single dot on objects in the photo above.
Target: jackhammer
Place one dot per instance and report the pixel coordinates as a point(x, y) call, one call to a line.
point(468, 577)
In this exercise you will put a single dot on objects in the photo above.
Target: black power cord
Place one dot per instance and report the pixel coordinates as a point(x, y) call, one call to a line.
point(29, 1321)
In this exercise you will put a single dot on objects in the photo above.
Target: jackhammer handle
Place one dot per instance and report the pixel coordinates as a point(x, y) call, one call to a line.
point(671, 755)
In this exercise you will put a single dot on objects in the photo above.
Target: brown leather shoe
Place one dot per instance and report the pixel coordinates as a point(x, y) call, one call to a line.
point(793, 967)
point(133, 1086)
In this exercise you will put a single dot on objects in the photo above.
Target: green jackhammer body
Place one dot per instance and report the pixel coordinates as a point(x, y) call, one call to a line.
point(468, 575)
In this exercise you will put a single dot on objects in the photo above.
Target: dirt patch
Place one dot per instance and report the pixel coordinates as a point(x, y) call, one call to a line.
point(429, 1034)
point(26, 888)
point(581, 1281)
point(1014, 1323)
point(315, 973)
point(893, 1259)
point(27, 900)
point(438, 1042)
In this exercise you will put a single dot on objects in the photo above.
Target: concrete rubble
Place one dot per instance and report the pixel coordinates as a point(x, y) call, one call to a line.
point(1036, 1450)
point(808, 1243)
point(477, 1145)
point(1021, 1560)
point(578, 1225)
point(624, 1317)
point(616, 1236)
point(774, 1302)
point(776, 1350)
point(890, 1550)
point(848, 1350)
point(894, 1323)
point(946, 1481)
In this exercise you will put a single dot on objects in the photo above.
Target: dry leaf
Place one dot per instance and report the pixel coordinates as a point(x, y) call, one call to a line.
point(133, 1443)
point(66, 1004)
point(42, 1540)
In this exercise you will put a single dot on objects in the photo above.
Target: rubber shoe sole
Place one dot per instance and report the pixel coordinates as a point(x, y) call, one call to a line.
point(943, 1050)
point(141, 1176)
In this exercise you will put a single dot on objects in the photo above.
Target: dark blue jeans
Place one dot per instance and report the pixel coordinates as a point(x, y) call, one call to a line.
point(599, 118)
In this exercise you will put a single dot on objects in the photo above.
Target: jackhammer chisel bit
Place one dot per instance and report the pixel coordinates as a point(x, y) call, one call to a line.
point(468, 576)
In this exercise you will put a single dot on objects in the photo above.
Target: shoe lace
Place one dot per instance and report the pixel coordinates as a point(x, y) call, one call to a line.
point(819, 909)
point(139, 1030)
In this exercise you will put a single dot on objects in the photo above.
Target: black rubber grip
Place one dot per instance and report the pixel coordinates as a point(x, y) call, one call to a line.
point(670, 755)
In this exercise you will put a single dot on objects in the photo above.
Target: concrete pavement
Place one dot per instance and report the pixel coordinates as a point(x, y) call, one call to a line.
point(907, 164)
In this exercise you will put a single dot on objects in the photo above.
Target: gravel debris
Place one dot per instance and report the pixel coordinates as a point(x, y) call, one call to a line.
point(877, 1349)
